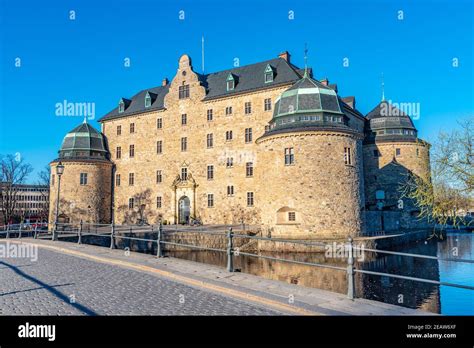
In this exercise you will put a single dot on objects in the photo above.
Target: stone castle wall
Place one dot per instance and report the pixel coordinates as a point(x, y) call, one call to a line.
point(91, 202)
point(389, 172)
point(146, 162)
point(320, 188)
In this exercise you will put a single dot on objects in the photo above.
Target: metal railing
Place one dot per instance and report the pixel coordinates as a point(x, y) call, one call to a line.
point(111, 231)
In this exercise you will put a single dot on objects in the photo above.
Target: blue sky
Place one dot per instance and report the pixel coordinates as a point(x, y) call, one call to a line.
point(82, 60)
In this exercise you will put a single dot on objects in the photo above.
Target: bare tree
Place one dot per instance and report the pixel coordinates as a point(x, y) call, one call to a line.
point(450, 191)
point(13, 173)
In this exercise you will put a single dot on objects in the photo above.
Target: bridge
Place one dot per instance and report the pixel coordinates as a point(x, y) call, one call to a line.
point(43, 274)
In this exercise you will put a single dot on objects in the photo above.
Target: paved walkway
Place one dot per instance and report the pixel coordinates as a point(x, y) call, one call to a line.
point(71, 279)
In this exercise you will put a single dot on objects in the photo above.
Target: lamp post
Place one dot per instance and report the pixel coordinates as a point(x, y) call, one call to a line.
point(59, 172)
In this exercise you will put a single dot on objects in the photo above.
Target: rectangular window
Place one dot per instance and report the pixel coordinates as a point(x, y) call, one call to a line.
point(184, 144)
point(210, 141)
point(159, 146)
point(249, 169)
point(184, 173)
point(418, 152)
point(230, 190)
point(130, 203)
point(184, 119)
point(248, 108)
point(267, 104)
point(119, 130)
point(398, 152)
point(83, 179)
point(210, 172)
point(132, 127)
point(132, 151)
point(291, 216)
point(250, 199)
point(209, 115)
point(289, 156)
point(347, 156)
point(131, 179)
point(228, 110)
point(248, 135)
point(158, 202)
point(52, 179)
point(228, 135)
point(230, 162)
point(183, 91)
point(210, 200)
point(117, 179)
point(159, 176)
point(376, 153)
point(118, 152)
point(159, 123)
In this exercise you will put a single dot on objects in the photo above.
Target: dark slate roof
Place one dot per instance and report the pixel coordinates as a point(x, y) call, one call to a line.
point(382, 117)
point(248, 78)
point(84, 137)
point(137, 103)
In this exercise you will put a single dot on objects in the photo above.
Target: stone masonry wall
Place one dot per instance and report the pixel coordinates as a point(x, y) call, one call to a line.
point(90, 202)
point(320, 188)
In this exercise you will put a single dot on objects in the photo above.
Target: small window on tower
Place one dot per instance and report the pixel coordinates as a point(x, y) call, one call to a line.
point(398, 152)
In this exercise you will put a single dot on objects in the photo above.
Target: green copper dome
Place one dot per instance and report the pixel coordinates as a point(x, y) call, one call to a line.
point(84, 142)
point(308, 103)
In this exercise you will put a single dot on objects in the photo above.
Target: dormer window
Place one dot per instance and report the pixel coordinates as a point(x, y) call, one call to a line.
point(147, 100)
point(268, 74)
point(230, 82)
point(121, 106)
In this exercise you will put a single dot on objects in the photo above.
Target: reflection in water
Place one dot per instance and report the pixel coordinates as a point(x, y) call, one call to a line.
point(407, 293)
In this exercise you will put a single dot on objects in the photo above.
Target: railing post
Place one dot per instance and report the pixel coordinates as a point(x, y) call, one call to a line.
point(230, 260)
point(112, 238)
point(19, 232)
point(350, 270)
point(79, 239)
point(159, 250)
point(8, 230)
point(36, 231)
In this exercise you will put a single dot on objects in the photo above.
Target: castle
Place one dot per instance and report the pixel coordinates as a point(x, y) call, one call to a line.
point(265, 144)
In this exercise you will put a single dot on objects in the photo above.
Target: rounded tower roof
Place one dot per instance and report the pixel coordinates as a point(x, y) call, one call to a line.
point(84, 141)
point(308, 103)
point(388, 123)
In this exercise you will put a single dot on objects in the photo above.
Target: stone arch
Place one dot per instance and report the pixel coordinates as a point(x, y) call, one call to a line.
point(287, 216)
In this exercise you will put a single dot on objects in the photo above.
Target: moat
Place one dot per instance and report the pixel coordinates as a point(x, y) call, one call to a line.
point(407, 293)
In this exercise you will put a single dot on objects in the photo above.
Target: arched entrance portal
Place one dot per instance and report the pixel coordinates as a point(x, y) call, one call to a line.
point(184, 210)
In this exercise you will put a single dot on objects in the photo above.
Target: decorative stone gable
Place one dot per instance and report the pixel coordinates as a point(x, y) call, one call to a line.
point(185, 76)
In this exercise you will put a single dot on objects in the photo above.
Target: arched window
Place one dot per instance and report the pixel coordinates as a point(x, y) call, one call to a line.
point(287, 216)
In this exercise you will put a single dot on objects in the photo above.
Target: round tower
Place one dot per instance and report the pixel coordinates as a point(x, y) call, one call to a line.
point(312, 181)
point(392, 153)
point(85, 186)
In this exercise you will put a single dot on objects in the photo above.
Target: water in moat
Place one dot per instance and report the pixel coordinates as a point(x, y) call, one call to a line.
point(407, 293)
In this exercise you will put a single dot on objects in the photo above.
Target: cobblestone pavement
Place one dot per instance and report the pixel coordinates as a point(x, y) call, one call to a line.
point(60, 284)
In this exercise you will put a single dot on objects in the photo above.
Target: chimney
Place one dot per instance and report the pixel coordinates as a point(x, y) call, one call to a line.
point(325, 81)
point(164, 82)
point(285, 55)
